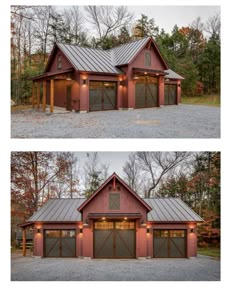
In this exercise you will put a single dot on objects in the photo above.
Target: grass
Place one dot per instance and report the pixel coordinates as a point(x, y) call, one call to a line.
point(209, 251)
point(209, 100)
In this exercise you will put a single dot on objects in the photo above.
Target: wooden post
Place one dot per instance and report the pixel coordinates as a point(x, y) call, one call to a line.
point(38, 95)
point(24, 242)
point(51, 96)
point(33, 94)
point(44, 94)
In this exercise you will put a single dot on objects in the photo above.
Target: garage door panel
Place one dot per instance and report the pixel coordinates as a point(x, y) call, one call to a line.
point(146, 92)
point(177, 247)
point(68, 247)
point(170, 97)
point(169, 243)
point(59, 243)
point(103, 243)
point(125, 243)
point(152, 95)
point(140, 95)
point(52, 248)
point(102, 95)
point(161, 247)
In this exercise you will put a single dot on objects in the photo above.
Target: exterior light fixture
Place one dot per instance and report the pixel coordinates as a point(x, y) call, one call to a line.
point(135, 77)
point(80, 231)
point(167, 80)
point(68, 78)
point(157, 74)
point(148, 230)
point(103, 218)
point(38, 230)
point(145, 73)
point(125, 218)
point(121, 83)
point(191, 230)
point(86, 223)
point(179, 85)
point(84, 81)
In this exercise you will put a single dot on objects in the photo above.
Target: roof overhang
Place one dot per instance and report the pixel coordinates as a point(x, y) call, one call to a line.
point(114, 215)
point(148, 72)
point(60, 75)
point(25, 224)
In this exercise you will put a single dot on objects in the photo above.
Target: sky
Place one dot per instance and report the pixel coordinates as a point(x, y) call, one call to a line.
point(167, 16)
point(115, 160)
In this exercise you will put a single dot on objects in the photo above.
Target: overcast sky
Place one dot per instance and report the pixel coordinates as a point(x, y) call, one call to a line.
point(167, 16)
point(115, 160)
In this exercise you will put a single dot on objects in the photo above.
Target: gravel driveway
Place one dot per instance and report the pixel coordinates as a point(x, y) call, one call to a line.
point(202, 268)
point(183, 121)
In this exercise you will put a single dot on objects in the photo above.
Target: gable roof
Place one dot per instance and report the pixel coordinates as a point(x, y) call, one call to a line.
point(103, 61)
point(115, 176)
point(171, 210)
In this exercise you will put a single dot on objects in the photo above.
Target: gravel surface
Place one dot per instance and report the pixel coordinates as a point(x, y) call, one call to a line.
point(182, 121)
point(202, 268)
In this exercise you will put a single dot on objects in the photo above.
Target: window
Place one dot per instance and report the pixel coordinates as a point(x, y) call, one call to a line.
point(59, 64)
point(147, 58)
point(103, 225)
point(114, 201)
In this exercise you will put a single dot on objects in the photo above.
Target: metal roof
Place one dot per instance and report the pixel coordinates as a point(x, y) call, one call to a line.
point(102, 61)
point(171, 210)
point(163, 210)
point(63, 210)
point(173, 75)
point(123, 54)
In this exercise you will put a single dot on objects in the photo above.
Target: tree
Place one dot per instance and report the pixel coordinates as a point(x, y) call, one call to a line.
point(107, 20)
point(95, 172)
point(33, 177)
point(145, 28)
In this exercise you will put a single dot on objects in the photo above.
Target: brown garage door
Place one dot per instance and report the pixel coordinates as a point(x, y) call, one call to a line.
point(59, 243)
point(102, 96)
point(146, 92)
point(114, 239)
point(170, 94)
point(169, 243)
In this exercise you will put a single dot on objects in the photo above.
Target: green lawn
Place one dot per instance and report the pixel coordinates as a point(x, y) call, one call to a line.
point(209, 100)
point(209, 251)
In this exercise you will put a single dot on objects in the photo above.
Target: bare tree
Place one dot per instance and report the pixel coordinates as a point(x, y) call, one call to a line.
point(132, 173)
point(156, 165)
point(95, 172)
point(74, 20)
point(107, 19)
point(213, 26)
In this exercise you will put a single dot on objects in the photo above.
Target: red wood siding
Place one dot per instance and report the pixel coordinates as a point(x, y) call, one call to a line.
point(139, 61)
point(52, 67)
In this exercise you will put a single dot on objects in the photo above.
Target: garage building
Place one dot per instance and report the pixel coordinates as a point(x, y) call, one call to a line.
point(130, 76)
point(114, 222)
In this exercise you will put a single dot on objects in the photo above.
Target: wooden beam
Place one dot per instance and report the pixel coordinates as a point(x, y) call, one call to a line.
point(33, 94)
point(44, 95)
point(51, 96)
point(38, 95)
point(24, 242)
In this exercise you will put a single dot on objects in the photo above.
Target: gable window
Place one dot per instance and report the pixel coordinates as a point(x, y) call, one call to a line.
point(59, 65)
point(114, 201)
point(147, 58)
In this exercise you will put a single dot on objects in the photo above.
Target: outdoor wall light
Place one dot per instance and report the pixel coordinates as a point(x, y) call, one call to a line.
point(135, 78)
point(38, 230)
point(179, 85)
point(191, 230)
point(167, 80)
point(121, 83)
point(84, 81)
point(80, 231)
point(148, 230)
point(68, 78)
